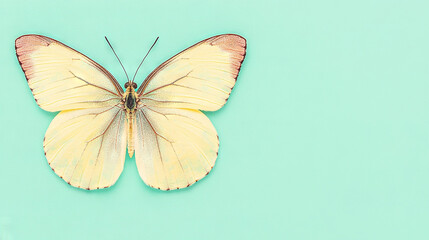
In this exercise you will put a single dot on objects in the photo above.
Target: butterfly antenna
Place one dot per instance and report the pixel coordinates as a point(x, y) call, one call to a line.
point(117, 58)
point(145, 58)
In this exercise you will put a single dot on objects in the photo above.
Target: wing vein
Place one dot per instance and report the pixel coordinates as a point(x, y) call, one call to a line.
point(168, 84)
point(94, 85)
point(159, 150)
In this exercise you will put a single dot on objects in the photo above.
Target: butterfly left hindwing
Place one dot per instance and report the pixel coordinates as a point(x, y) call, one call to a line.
point(86, 147)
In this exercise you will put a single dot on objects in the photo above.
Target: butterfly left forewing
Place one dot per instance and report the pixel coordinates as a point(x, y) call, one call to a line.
point(61, 78)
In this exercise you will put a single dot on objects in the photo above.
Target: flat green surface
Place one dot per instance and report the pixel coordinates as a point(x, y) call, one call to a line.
point(325, 136)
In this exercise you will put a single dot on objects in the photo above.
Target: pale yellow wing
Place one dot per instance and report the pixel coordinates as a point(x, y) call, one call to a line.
point(174, 148)
point(200, 77)
point(62, 78)
point(86, 142)
point(86, 147)
point(176, 144)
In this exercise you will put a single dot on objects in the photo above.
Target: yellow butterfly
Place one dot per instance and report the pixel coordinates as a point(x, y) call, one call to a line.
point(175, 144)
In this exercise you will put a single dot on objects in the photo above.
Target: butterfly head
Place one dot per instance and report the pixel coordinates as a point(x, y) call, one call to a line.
point(133, 85)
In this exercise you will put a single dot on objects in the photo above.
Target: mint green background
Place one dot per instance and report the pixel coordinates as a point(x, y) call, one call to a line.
point(325, 136)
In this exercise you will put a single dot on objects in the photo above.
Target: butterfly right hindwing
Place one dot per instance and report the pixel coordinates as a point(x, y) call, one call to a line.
point(174, 147)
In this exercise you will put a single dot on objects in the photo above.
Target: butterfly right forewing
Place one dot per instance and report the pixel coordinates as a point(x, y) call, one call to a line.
point(200, 77)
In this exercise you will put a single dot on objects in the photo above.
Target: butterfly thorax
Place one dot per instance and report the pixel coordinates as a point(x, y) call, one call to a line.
point(130, 98)
point(129, 101)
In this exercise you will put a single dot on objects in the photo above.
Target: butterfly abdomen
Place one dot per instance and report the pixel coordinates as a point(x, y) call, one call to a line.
point(130, 119)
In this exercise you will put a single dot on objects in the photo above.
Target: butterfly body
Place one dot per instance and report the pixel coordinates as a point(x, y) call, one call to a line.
point(161, 122)
point(129, 102)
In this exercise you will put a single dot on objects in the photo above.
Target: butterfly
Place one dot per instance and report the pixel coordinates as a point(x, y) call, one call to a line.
point(175, 144)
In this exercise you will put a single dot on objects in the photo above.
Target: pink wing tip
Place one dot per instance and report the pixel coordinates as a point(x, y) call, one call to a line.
point(236, 45)
point(230, 42)
point(30, 42)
